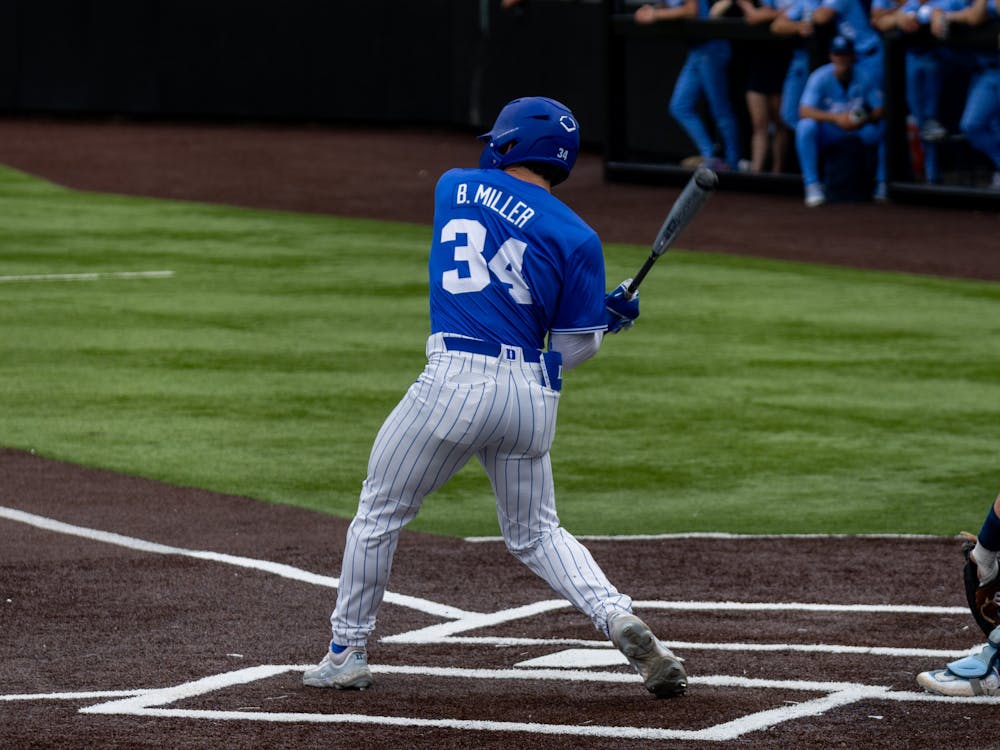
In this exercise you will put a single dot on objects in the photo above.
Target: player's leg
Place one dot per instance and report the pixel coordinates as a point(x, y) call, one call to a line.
point(422, 444)
point(757, 108)
point(714, 72)
point(981, 117)
point(922, 93)
point(808, 134)
point(873, 134)
point(978, 674)
point(794, 85)
point(426, 439)
point(984, 554)
point(520, 472)
point(684, 104)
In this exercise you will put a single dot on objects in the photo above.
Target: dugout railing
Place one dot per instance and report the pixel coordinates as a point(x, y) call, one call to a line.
point(644, 145)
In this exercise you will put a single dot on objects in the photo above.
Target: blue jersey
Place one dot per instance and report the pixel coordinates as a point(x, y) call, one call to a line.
point(853, 22)
point(510, 262)
point(802, 10)
point(823, 91)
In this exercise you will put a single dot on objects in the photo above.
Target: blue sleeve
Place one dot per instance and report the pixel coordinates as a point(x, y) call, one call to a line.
point(581, 304)
point(812, 95)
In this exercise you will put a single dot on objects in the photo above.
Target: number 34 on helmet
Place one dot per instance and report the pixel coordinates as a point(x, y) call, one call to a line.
point(533, 129)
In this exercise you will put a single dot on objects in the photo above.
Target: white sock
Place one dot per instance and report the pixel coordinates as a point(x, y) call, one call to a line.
point(986, 563)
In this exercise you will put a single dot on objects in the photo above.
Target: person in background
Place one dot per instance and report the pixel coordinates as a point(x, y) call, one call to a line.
point(850, 19)
point(839, 101)
point(766, 69)
point(795, 21)
point(979, 673)
point(924, 74)
point(880, 14)
point(705, 73)
point(981, 116)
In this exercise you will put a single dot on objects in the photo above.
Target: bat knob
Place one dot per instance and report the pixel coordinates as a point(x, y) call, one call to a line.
point(706, 179)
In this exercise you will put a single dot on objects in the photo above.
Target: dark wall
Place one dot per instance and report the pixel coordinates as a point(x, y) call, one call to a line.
point(236, 58)
point(452, 62)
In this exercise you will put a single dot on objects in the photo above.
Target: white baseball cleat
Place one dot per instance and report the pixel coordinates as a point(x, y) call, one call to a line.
point(347, 670)
point(976, 674)
point(946, 682)
point(661, 671)
point(815, 195)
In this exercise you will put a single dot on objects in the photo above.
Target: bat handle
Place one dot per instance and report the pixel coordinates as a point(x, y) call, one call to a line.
point(637, 279)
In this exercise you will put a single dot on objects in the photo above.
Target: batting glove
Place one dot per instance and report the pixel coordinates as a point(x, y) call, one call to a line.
point(620, 310)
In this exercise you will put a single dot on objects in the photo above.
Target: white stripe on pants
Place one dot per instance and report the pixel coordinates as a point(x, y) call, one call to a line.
point(466, 405)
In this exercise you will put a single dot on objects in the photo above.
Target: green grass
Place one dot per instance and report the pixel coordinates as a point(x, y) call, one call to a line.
point(753, 396)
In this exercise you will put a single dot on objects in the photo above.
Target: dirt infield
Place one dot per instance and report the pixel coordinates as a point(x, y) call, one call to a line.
point(136, 614)
point(91, 619)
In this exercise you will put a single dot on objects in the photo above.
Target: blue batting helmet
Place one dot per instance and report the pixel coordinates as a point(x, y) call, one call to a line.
point(533, 129)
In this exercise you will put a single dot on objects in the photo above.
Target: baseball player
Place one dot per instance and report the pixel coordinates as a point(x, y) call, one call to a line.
point(795, 20)
point(981, 117)
point(924, 75)
point(510, 265)
point(765, 75)
point(851, 19)
point(838, 101)
point(704, 74)
point(978, 674)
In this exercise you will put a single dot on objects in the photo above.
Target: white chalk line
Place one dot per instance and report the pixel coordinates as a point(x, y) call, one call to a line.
point(681, 536)
point(600, 654)
point(150, 703)
point(95, 276)
point(278, 569)
point(142, 702)
point(80, 696)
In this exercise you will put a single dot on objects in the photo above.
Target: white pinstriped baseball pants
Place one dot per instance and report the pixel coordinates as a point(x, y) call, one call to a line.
point(464, 405)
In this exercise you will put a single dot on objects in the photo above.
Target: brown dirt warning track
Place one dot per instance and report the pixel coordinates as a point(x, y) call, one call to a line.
point(135, 614)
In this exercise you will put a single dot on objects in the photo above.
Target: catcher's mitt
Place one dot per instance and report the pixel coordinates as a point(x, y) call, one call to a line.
point(984, 599)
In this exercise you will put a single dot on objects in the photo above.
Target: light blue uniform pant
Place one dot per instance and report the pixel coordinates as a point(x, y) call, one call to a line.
point(795, 84)
point(923, 92)
point(981, 117)
point(498, 410)
point(872, 65)
point(811, 137)
point(705, 73)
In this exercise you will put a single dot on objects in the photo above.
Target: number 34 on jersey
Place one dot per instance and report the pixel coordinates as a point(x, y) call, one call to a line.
point(506, 263)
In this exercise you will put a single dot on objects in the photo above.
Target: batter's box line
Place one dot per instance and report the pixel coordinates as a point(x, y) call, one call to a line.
point(152, 704)
point(460, 620)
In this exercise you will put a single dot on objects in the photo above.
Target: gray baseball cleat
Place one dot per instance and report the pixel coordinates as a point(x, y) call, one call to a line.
point(345, 671)
point(660, 670)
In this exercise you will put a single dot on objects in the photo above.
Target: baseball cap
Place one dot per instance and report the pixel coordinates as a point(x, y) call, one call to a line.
point(841, 45)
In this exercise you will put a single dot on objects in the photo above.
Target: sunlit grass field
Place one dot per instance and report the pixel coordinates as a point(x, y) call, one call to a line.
point(753, 396)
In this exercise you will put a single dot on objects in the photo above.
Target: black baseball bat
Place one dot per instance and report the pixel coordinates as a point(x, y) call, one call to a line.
point(694, 195)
